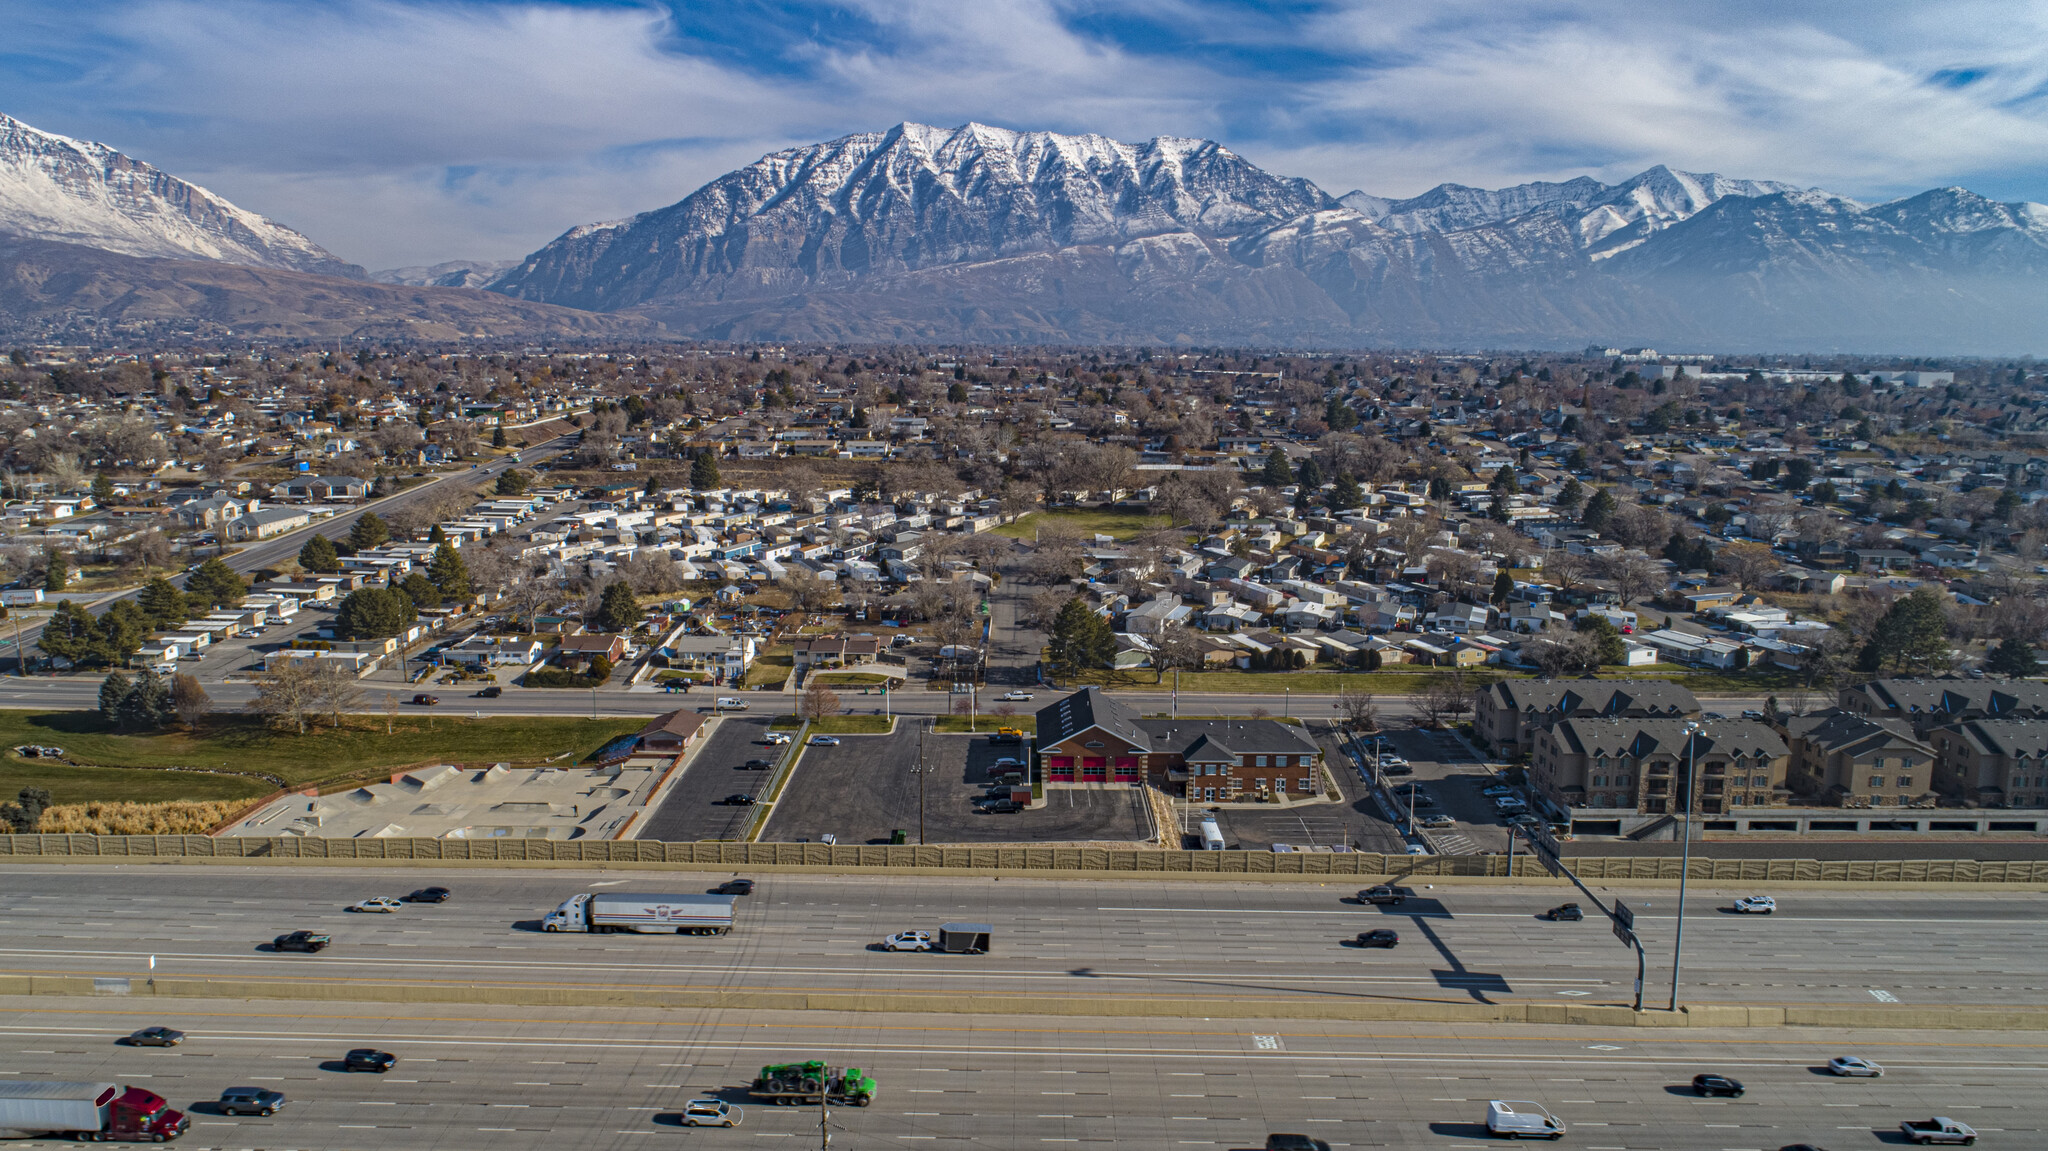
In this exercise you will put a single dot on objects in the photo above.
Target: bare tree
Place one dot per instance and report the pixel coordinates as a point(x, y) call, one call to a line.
point(1566, 568)
point(335, 689)
point(1749, 563)
point(1557, 651)
point(818, 701)
point(1632, 574)
point(289, 691)
point(1178, 647)
point(189, 699)
point(149, 550)
point(1356, 705)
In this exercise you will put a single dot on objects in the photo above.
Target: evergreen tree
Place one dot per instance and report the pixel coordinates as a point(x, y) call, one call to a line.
point(1607, 638)
point(601, 664)
point(319, 555)
point(1439, 488)
point(498, 436)
point(1309, 474)
point(2013, 657)
point(1498, 513)
point(449, 573)
point(56, 569)
point(73, 634)
point(704, 472)
point(102, 490)
point(1346, 494)
point(163, 603)
point(1912, 634)
point(368, 531)
point(1677, 548)
point(1277, 473)
point(123, 629)
point(1081, 639)
point(1503, 586)
point(619, 609)
point(113, 690)
point(1504, 481)
point(436, 536)
point(147, 706)
point(512, 483)
point(1599, 511)
point(215, 584)
point(374, 613)
point(420, 590)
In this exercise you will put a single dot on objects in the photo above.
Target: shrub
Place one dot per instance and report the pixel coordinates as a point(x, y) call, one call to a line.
point(179, 817)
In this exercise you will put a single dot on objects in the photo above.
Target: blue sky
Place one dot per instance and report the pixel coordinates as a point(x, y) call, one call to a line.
point(411, 131)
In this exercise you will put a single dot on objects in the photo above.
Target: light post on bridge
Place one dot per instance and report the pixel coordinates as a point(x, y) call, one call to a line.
point(1692, 729)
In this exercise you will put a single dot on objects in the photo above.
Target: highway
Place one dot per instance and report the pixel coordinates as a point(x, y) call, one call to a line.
point(1165, 946)
point(564, 1078)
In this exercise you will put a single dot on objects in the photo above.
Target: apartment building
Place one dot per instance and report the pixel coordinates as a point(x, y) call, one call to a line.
point(1508, 714)
point(1640, 764)
point(1993, 762)
point(1843, 759)
point(1931, 703)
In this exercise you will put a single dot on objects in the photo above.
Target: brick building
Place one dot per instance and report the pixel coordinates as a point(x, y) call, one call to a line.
point(1640, 764)
point(1994, 762)
point(1850, 760)
point(1088, 737)
point(1508, 714)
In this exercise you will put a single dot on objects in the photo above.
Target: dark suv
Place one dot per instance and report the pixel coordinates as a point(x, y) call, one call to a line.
point(1394, 896)
point(1717, 1085)
point(301, 941)
point(1295, 1143)
point(368, 1059)
point(250, 1101)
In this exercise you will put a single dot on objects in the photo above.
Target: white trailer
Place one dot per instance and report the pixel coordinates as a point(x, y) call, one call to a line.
point(648, 914)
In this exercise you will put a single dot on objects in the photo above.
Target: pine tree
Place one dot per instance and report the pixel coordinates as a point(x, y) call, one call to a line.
point(1277, 473)
point(373, 613)
point(1599, 511)
point(215, 584)
point(419, 590)
point(147, 706)
point(2013, 657)
point(512, 483)
point(113, 690)
point(436, 536)
point(56, 570)
point(1081, 639)
point(73, 634)
point(619, 608)
point(123, 629)
point(163, 603)
point(449, 573)
point(498, 436)
point(1346, 494)
point(1503, 586)
point(367, 532)
point(319, 555)
point(1912, 634)
point(1309, 474)
point(1504, 481)
point(102, 490)
point(704, 472)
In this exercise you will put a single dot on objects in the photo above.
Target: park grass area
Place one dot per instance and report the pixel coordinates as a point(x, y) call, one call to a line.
point(987, 724)
point(846, 679)
point(1085, 521)
point(772, 668)
point(838, 724)
point(1391, 681)
point(361, 748)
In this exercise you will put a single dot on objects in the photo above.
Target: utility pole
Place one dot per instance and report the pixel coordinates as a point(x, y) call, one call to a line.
point(1176, 690)
point(921, 732)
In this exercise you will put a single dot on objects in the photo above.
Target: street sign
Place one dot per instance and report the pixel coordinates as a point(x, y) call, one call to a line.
point(1544, 848)
point(1627, 937)
point(1624, 915)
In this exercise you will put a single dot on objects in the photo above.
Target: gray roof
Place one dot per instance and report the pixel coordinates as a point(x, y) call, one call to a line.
point(1593, 696)
point(1955, 696)
point(1092, 707)
point(1835, 731)
point(1646, 737)
point(2005, 737)
point(1086, 708)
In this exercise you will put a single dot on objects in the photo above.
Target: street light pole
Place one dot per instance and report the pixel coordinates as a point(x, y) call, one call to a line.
point(1684, 855)
point(921, 731)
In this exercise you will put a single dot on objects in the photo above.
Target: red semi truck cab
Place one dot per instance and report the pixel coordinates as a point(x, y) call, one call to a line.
point(140, 1116)
point(96, 1112)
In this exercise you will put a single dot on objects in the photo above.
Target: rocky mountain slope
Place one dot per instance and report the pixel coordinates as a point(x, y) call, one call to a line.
point(76, 192)
point(978, 233)
point(451, 274)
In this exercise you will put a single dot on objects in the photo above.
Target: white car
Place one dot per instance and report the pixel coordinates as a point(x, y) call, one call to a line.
point(824, 741)
point(1851, 1066)
point(1014, 696)
point(1393, 761)
point(382, 903)
point(775, 738)
point(731, 701)
point(712, 1113)
point(1508, 803)
point(1756, 905)
point(908, 941)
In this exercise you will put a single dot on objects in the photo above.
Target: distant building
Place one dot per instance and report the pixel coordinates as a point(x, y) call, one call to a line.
point(1843, 759)
point(1641, 765)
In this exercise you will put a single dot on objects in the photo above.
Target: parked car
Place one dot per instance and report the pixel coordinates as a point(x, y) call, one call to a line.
point(1565, 913)
point(250, 1101)
point(1015, 696)
point(155, 1037)
point(425, 700)
point(1378, 937)
point(776, 738)
point(757, 765)
point(368, 1059)
point(908, 941)
point(734, 887)
point(824, 741)
point(1395, 768)
point(381, 904)
point(1717, 1085)
point(429, 895)
point(711, 1113)
point(1496, 790)
point(1006, 763)
point(1854, 1067)
point(1756, 905)
point(1295, 1143)
point(308, 941)
point(1000, 806)
point(1520, 819)
point(1434, 822)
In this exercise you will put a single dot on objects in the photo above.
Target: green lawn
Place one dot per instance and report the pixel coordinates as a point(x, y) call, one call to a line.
point(1393, 681)
point(1087, 521)
point(984, 724)
point(772, 667)
point(846, 679)
point(838, 724)
point(360, 749)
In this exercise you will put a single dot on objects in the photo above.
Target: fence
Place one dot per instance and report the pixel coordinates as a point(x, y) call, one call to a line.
point(1022, 859)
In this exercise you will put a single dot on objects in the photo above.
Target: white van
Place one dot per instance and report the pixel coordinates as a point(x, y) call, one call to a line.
point(1212, 835)
point(1522, 1119)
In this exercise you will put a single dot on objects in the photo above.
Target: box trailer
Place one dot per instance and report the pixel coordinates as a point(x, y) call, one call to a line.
point(648, 914)
point(94, 1112)
point(964, 938)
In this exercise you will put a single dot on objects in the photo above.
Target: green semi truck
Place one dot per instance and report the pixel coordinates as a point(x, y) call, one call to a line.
point(790, 1084)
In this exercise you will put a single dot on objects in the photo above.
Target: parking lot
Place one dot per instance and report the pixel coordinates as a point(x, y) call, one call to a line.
point(695, 807)
point(1451, 776)
point(1355, 821)
point(868, 787)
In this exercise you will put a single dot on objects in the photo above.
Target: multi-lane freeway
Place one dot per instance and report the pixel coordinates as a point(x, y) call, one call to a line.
point(1161, 948)
point(557, 1078)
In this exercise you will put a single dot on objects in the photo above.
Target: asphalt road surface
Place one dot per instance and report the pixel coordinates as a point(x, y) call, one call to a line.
point(562, 1078)
point(695, 807)
point(1105, 939)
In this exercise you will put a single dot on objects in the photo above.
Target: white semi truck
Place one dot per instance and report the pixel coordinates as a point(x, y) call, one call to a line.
point(93, 1112)
point(648, 914)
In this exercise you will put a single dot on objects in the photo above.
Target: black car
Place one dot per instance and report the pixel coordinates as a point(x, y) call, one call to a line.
point(155, 1037)
point(1379, 937)
point(1001, 806)
point(301, 941)
point(250, 1101)
point(758, 765)
point(492, 692)
point(742, 799)
point(368, 1059)
point(734, 887)
point(1568, 912)
point(1717, 1085)
point(1397, 769)
point(1295, 1143)
point(1384, 894)
point(429, 895)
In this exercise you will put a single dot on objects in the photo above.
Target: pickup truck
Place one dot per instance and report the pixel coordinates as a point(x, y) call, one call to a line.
point(1937, 1130)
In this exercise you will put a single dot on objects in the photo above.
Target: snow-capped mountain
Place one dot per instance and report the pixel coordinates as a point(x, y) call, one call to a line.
point(451, 274)
point(76, 192)
point(913, 198)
